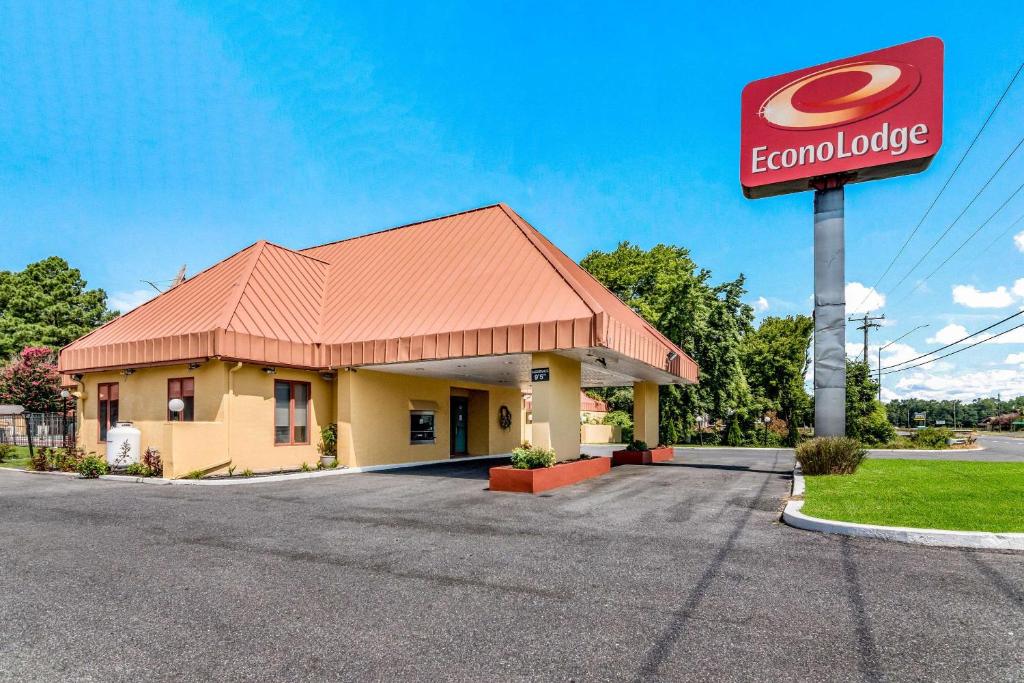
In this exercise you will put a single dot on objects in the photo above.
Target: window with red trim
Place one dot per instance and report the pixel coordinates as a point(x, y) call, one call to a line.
point(291, 412)
point(185, 389)
point(106, 407)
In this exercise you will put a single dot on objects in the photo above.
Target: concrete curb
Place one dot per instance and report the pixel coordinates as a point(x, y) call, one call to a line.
point(291, 476)
point(316, 474)
point(932, 537)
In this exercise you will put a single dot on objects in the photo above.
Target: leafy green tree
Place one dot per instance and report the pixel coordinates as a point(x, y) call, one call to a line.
point(665, 286)
point(775, 359)
point(47, 304)
point(866, 417)
point(32, 381)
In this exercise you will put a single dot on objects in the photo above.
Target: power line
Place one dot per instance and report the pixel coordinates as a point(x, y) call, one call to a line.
point(953, 353)
point(962, 339)
point(1002, 234)
point(956, 168)
point(963, 244)
point(959, 216)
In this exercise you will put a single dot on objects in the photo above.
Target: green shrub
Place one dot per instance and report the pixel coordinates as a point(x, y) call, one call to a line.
point(874, 428)
point(328, 445)
point(637, 446)
point(305, 467)
point(40, 461)
point(195, 474)
point(92, 466)
point(530, 458)
point(621, 419)
point(247, 473)
point(6, 451)
point(137, 469)
point(65, 459)
point(934, 438)
point(734, 436)
point(830, 455)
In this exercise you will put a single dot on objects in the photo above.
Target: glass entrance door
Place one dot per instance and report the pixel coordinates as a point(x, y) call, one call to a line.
point(460, 425)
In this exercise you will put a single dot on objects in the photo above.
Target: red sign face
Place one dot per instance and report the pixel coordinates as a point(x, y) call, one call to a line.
point(872, 116)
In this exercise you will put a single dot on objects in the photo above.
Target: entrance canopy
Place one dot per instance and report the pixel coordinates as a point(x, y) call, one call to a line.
point(481, 287)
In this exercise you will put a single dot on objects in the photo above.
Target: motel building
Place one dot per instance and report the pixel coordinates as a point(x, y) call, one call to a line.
point(418, 342)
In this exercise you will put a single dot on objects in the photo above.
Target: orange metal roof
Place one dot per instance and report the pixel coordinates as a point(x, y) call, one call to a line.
point(480, 282)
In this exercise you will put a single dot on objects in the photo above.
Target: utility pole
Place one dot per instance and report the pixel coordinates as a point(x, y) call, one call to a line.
point(866, 323)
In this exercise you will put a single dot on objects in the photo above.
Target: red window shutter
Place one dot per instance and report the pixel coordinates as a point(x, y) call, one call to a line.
point(174, 388)
point(188, 387)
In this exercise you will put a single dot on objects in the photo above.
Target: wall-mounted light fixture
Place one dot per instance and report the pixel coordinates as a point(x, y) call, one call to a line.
point(194, 366)
point(270, 371)
point(128, 371)
point(327, 376)
point(672, 355)
point(603, 362)
point(77, 377)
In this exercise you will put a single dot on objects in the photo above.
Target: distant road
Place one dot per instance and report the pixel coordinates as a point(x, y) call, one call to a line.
point(997, 449)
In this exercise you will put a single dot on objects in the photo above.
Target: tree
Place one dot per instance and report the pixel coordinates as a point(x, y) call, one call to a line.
point(865, 416)
point(664, 286)
point(47, 304)
point(775, 358)
point(32, 381)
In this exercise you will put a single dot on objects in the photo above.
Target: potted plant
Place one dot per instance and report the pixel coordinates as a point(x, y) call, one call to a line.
point(638, 453)
point(328, 446)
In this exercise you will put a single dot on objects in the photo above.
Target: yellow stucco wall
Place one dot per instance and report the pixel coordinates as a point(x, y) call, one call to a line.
point(373, 417)
point(235, 425)
point(234, 417)
point(143, 401)
point(556, 406)
point(645, 412)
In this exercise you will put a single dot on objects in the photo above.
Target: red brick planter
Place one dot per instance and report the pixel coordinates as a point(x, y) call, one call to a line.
point(506, 478)
point(642, 457)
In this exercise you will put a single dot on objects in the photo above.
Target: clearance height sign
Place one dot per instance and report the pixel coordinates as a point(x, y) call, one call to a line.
point(872, 116)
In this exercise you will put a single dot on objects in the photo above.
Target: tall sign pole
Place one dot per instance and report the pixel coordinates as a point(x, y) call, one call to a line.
point(873, 116)
point(829, 310)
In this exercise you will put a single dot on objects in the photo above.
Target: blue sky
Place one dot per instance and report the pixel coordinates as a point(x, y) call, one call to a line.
point(135, 137)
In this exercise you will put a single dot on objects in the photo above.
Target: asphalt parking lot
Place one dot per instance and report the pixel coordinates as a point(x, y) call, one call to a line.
point(673, 572)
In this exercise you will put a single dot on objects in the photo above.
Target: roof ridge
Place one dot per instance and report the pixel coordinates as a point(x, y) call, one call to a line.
point(590, 302)
point(399, 227)
point(297, 252)
point(183, 283)
point(571, 278)
point(228, 312)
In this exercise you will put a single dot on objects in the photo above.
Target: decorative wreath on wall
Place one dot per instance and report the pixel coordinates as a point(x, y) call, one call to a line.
point(504, 417)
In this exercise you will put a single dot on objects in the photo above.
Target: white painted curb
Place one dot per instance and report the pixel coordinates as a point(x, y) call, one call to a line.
point(932, 537)
point(291, 476)
point(316, 474)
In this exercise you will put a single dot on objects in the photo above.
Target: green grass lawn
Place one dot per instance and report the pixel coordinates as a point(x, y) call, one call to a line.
point(19, 460)
point(932, 494)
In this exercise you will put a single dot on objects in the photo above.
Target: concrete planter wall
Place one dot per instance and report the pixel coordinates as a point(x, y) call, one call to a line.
point(506, 478)
point(647, 457)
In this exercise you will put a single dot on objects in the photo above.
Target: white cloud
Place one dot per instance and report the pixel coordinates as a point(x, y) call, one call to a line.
point(898, 353)
point(1015, 337)
point(1018, 239)
point(861, 299)
point(1015, 359)
point(126, 301)
point(1018, 286)
point(972, 297)
point(761, 304)
point(940, 384)
point(948, 334)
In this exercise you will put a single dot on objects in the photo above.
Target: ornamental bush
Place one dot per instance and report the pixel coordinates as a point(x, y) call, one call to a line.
point(636, 445)
point(6, 451)
point(151, 459)
point(935, 438)
point(830, 455)
point(532, 458)
point(137, 469)
point(91, 467)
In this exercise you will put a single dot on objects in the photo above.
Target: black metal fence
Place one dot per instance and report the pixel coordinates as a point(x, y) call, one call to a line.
point(53, 430)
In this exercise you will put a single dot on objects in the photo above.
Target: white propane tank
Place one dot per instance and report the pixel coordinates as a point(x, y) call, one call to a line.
point(117, 436)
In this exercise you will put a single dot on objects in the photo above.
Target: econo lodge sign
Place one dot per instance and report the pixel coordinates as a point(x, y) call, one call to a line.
point(867, 117)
